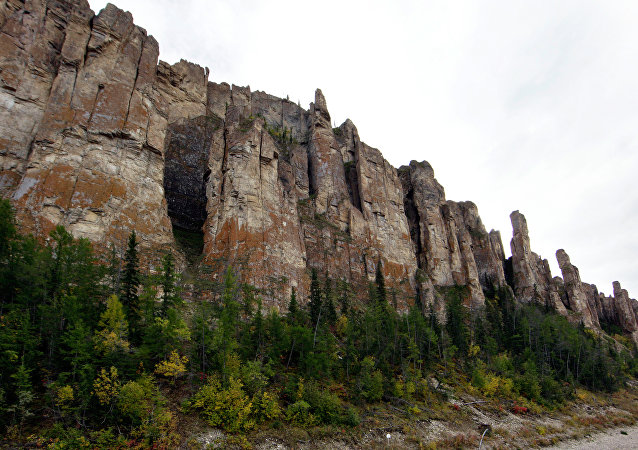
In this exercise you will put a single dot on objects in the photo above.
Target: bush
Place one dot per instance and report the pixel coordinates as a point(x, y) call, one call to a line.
point(172, 367)
point(229, 408)
point(326, 406)
point(552, 392)
point(498, 386)
point(478, 378)
point(265, 407)
point(299, 414)
point(142, 405)
point(106, 386)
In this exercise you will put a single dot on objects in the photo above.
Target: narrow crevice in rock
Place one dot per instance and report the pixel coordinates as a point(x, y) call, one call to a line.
point(414, 221)
point(352, 182)
point(312, 189)
point(224, 162)
point(186, 173)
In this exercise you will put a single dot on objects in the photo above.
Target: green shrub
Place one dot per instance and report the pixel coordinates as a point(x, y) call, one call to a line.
point(299, 414)
point(527, 383)
point(265, 407)
point(229, 408)
point(478, 378)
point(325, 406)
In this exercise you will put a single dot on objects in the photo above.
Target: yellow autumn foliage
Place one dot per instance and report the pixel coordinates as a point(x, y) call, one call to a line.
point(495, 385)
point(64, 395)
point(106, 386)
point(173, 367)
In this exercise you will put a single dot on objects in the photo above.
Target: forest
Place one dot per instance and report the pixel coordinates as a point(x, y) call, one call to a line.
point(98, 352)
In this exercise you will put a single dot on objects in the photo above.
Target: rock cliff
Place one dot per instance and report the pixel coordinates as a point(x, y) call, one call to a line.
point(98, 135)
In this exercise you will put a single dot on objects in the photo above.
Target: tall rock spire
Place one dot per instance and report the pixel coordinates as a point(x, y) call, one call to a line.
point(576, 291)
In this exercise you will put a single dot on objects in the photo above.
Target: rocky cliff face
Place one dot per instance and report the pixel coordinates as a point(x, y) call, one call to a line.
point(578, 301)
point(97, 135)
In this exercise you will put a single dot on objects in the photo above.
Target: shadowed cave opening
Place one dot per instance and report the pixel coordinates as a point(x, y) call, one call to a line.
point(186, 174)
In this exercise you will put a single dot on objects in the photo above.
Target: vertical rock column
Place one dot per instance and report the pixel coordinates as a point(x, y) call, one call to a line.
point(327, 174)
point(39, 42)
point(625, 311)
point(90, 168)
point(532, 275)
point(486, 249)
point(252, 220)
point(575, 291)
point(437, 227)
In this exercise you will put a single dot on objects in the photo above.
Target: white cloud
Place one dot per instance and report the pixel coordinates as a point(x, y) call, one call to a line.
point(516, 104)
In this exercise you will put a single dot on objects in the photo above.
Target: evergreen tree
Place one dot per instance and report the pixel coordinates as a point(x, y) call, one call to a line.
point(258, 332)
point(225, 337)
point(331, 313)
point(344, 296)
point(202, 336)
point(293, 308)
point(456, 319)
point(130, 287)
point(315, 300)
point(382, 296)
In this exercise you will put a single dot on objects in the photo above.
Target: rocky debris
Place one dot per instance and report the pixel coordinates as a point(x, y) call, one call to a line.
point(576, 293)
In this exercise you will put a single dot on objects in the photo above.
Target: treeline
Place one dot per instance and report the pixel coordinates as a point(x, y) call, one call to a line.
point(92, 353)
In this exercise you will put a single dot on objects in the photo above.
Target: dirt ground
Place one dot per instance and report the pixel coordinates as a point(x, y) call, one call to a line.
point(623, 438)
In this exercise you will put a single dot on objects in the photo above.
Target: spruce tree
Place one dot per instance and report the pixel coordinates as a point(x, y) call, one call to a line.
point(315, 299)
point(382, 296)
point(293, 308)
point(130, 287)
point(331, 313)
point(344, 297)
point(456, 318)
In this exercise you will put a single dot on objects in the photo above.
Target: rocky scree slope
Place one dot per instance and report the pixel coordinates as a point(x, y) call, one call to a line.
point(97, 135)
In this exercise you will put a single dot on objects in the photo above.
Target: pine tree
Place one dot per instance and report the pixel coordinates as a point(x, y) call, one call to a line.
point(331, 313)
point(201, 335)
point(130, 287)
point(315, 299)
point(456, 318)
point(344, 298)
point(382, 296)
point(293, 308)
point(225, 337)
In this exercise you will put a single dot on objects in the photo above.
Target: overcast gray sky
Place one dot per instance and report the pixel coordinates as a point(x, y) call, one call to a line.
point(528, 105)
